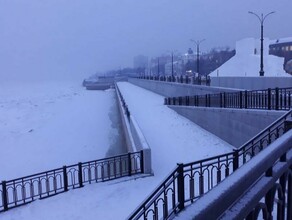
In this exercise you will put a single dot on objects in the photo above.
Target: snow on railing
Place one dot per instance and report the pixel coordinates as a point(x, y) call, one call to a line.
point(268, 99)
point(188, 182)
point(26, 189)
point(195, 80)
point(134, 136)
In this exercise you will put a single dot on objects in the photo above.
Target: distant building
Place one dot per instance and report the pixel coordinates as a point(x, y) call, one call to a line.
point(140, 61)
point(189, 56)
point(176, 67)
point(283, 48)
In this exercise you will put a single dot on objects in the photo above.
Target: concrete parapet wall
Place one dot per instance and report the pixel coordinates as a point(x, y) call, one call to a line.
point(235, 126)
point(135, 139)
point(141, 144)
point(98, 86)
point(251, 83)
point(126, 127)
point(170, 89)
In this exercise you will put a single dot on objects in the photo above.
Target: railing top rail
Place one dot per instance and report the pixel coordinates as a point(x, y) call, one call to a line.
point(34, 175)
point(259, 90)
point(231, 192)
point(237, 92)
point(265, 130)
point(153, 193)
point(112, 157)
point(207, 159)
point(69, 166)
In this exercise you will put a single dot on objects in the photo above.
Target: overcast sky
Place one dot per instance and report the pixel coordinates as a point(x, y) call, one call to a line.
point(58, 39)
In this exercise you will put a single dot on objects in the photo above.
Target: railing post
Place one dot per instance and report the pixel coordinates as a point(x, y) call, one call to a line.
point(245, 99)
point(129, 164)
point(289, 100)
point(277, 98)
point(269, 172)
point(269, 99)
point(65, 178)
point(4, 196)
point(224, 100)
point(281, 208)
point(80, 178)
point(287, 125)
point(142, 161)
point(235, 159)
point(283, 158)
point(187, 101)
point(269, 200)
point(289, 197)
point(240, 99)
point(221, 100)
point(206, 100)
point(181, 187)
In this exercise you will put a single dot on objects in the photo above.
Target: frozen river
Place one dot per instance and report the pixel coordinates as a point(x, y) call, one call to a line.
point(48, 125)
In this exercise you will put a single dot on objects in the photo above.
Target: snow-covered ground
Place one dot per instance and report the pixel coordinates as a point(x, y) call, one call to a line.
point(171, 137)
point(246, 61)
point(48, 125)
point(51, 126)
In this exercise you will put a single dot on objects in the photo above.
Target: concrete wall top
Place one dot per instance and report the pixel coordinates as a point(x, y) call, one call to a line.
point(134, 137)
point(252, 83)
point(170, 89)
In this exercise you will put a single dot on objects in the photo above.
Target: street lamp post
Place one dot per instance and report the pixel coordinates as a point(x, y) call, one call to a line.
point(198, 42)
point(172, 64)
point(262, 19)
point(158, 66)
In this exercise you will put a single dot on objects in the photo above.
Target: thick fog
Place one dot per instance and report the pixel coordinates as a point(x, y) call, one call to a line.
point(72, 39)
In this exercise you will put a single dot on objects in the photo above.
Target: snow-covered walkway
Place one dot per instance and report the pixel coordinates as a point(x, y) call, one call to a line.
point(172, 139)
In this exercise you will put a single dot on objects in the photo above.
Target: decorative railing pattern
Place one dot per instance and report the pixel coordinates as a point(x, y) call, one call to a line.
point(274, 196)
point(269, 99)
point(262, 190)
point(195, 80)
point(26, 189)
point(190, 181)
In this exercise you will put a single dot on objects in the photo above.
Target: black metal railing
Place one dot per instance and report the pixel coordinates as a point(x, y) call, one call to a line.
point(124, 104)
point(268, 99)
point(188, 182)
point(26, 189)
point(275, 202)
point(195, 80)
point(262, 190)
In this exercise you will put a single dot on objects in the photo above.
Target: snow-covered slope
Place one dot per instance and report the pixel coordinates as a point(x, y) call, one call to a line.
point(246, 61)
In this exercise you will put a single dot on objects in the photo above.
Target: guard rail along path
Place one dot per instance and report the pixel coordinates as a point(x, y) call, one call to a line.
point(42, 185)
point(269, 99)
point(195, 80)
point(188, 182)
point(134, 136)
